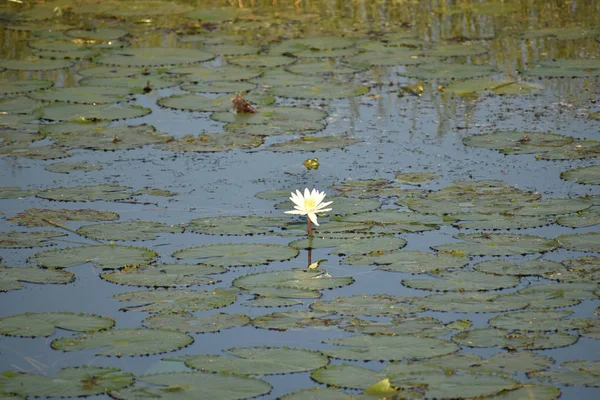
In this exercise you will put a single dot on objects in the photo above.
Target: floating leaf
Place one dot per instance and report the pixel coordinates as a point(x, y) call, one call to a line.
point(276, 127)
point(539, 320)
point(322, 91)
point(345, 205)
point(513, 340)
point(232, 255)
point(371, 348)
point(347, 376)
point(265, 115)
point(498, 244)
point(195, 385)
point(17, 240)
point(189, 324)
point(273, 296)
point(299, 319)
point(194, 102)
point(218, 87)
point(352, 244)
point(176, 301)
point(44, 324)
point(419, 326)
point(281, 77)
point(296, 278)
point(394, 221)
point(83, 95)
point(506, 86)
point(34, 64)
point(321, 393)
point(416, 177)
point(589, 217)
point(105, 256)
point(101, 34)
point(12, 278)
point(556, 295)
point(202, 74)
point(314, 143)
point(412, 262)
point(78, 112)
point(589, 241)
point(321, 67)
point(455, 49)
point(154, 57)
point(378, 55)
point(13, 192)
point(371, 305)
point(66, 167)
point(564, 68)
point(165, 275)
point(528, 268)
point(311, 42)
point(128, 230)
point(259, 361)
point(572, 373)
point(261, 61)
point(462, 281)
point(18, 105)
point(470, 302)
point(125, 342)
point(34, 152)
point(448, 71)
point(212, 142)
point(499, 221)
point(70, 382)
point(11, 86)
point(135, 84)
point(110, 72)
point(86, 193)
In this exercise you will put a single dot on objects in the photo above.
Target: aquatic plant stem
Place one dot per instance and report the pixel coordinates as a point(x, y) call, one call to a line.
point(309, 226)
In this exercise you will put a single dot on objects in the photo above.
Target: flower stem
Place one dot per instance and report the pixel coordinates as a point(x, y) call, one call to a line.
point(309, 228)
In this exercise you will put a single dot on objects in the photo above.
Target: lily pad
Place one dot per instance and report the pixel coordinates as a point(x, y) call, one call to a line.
point(14, 192)
point(202, 74)
point(320, 393)
point(85, 112)
point(194, 102)
point(311, 42)
point(539, 320)
point(347, 376)
point(462, 281)
point(387, 56)
point(299, 319)
point(273, 296)
point(589, 217)
point(572, 373)
point(513, 340)
point(266, 115)
point(281, 77)
point(259, 361)
point(83, 95)
point(362, 304)
point(218, 87)
point(345, 205)
point(164, 275)
point(134, 84)
point(448, 71)
point(232, 255)
point(70, 382)
point(18, 105)
point(295, 278)
point(322, 91)
point(307, 143)
point(18, 240)
point(212, 142)
point(261, 61)
point(87, 193)
point(195, 385)
point(470, 302)
point(154, 57)
point(528, 268)
point(19, 149)
point(419, 326)
point(321, 67)
point(352, 244)
point(416, 177)
point(216, 14)
point(498, 244)
point(128, 230)
point(34, 64)
point(145, 8)
point(125, 342)
point(12, 86)
point(589, 241)
point(110, 72)
point(394, 221)
point(175, 301)
point(45, 324)
point(584, 175)
point(189, 324)
point(278, 127)
point(455, 49)
point(231, 49)
point(557, 294)
point(564, 68)
point(411, 262)
point(236, 225)
point(500, 221)
point(100, 34)
point(371, 348)
point(13, 278)
point(67, 168)
point(105, 256)
point(500, 87)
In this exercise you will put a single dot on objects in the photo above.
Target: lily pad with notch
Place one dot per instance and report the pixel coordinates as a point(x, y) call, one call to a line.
point(448, 71)
point(498, 244)
point(240, 254)
point(87, 193)
point(78, 112)
point(188, 323)
point(348, 376)
point(13, 278)
point(261, 61)
point(500, 87)
point(278, 127)
point(18, 105)
point(311, 144)
point(322, 393)
point(23, 240)
point(471, 302)
point(134, 84)
point(410, 262)
point(212, 142)
point(34, 64)
point(395, 221)
point(13, 86)
point(311, 42)
point(561, 68)
point(154, 57)
point(68, 167)
point(83, 95)
point(537, 267)
point(513, 340)
point(198, 103)
point(351, 244)
point(175, 301)
point(202, 74)
point(462, 281)
point(345, 205)
point(296, 278)
point(273, 296)
point(236, 225)
point(540, 321)
point(572, 373)
point(280, 77)
point(589, 241)
point(45, 324)
point(127, 230)
point(265, 115)
point(500, 221)
point(219, 87)
point(322, 91)
point(298, 319)
point(370, 305)
point(588, 217)
point(455, 49)
point(165, 275)
point(585, 175)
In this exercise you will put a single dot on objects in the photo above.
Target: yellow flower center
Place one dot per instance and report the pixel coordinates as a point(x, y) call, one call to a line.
point(309, 204)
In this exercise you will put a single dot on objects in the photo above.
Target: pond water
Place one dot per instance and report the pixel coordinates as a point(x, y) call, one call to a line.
point(146, 252)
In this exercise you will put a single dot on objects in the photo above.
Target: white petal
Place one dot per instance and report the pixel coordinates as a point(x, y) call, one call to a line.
point(295, 212)
point(324, 210)
point(306, 193)
point(313, 218)
point(325, 204)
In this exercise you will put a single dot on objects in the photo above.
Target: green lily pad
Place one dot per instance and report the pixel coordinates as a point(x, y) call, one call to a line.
point(539, 320)
point(369, 348)
point(101, 34)
point(501, 87)
point(231, 49)
point(175, 301)
point(19, 149)
point(69, 382)
point(194, 102)
point(259, 361)
point(470, 302)
point(125, 342)
point(589, 217)
point(361, 304)
point(448, 71)
point(352, 244)
point(584, 175)
point(321, 67)
point(9, 136)
point(307, 143)
point(35, 64)
point(135, 84)
point(508, 364)
point(500, 221)
point(219, 87)
point(387, 56)
point(212, 142)
point(145, 8)
point(261, 61)
point(527, 268)
point(194, 385)
point(83, 95)
point(86, 193)
point(281, 77)
point(12, 86)
point(278, 127)
point(13, 192)
point(154, 57)
point(232, 255)
point(270, 114)
point(164, 275)
point(18, 105)
point(216, 14)
point(589, 241)
point(578, 150)
point(299, 319)
point(564, 68)
point(202, 74)
point(322, 91)
point(419, 326)
point(317, 393)
point(394, 221)
point(295, 278)
point(80, 54)
point(189, 324)
point(513, 340)
point(45, 324)
point(109, 72)
point(127, 230)
point(455, 49)
point(311, 42)
point(75, 112)
point(498, 244)
point(462, 281)
point(67, 168)
point(572, 373)
point(13, 278)
point(273, 296)
point(105, 256)
point(347, 376)
point(411, 262)
point(210, 38)
point(236, 225)
point(556, 295)
point(18, 240)
point(416, 177)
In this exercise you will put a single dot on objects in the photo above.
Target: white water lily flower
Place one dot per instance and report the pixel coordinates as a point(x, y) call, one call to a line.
point(309, 204)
